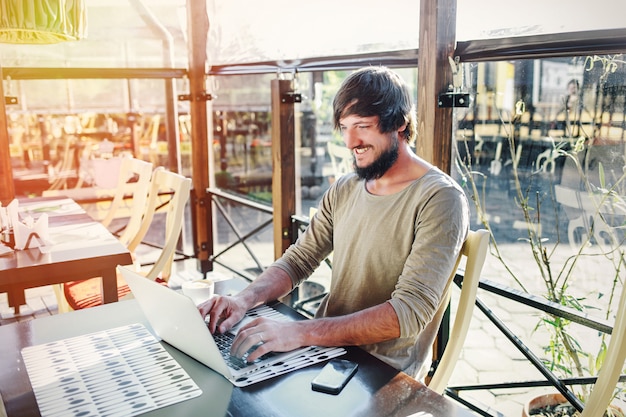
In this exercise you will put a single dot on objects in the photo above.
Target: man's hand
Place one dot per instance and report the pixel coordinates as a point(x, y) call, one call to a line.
point(223, 311)
point(264, 335)
point(226, 311)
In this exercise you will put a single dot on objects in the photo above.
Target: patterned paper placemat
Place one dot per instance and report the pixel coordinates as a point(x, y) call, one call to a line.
point(117, 372)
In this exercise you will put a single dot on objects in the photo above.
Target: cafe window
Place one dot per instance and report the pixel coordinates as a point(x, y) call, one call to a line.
point(529, 118)
point(242, 133)
point(541, 154)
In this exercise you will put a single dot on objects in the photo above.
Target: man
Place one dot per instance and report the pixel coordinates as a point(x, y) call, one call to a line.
point(395, 228)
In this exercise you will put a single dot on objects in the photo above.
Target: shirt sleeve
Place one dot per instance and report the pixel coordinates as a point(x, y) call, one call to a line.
point(440, 230)
point(314, 244)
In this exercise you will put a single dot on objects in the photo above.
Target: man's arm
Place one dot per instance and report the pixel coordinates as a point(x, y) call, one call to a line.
point(372, 325)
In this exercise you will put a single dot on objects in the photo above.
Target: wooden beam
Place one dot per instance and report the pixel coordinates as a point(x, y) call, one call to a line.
point(198, 29)
point(434, 129)
point(7, 188)
point(436, 44)
point(28, 73)
point(283, 163)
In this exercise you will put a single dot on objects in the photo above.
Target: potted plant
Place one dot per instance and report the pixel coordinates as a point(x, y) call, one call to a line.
point(605, 211)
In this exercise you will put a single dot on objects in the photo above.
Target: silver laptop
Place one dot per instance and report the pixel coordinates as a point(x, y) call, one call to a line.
point(175, 319)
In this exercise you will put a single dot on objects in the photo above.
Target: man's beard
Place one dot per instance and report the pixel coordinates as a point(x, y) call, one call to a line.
point(378, 168)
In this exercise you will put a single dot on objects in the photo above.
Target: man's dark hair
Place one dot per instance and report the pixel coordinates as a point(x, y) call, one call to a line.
point(377, 91)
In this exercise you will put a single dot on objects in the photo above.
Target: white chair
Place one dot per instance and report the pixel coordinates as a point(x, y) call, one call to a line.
point(87, 293)
point(545, 161)
point(475, 251)
point(65, 168)
point(586, 216)
point(609, 374)
point(177, 187)
point(128, 179)
point(3, 411)
point(133, 181)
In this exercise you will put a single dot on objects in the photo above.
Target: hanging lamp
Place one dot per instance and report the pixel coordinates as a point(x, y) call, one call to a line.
point(42, 21)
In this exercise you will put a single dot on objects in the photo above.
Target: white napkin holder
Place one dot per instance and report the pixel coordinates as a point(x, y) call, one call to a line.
point(28, 233)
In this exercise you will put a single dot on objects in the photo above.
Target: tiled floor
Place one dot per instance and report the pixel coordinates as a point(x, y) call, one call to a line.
point(41, 302)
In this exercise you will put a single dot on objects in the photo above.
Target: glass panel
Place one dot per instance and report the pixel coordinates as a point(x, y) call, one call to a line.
point(242, 137)
point(541, 155)
point(122, 35)
point(55, 118)
point(243, 31)
point(487, 19)
point(243, 163)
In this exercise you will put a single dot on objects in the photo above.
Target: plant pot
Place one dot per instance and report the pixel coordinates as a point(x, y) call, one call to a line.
point(542, 401)
point(555, 399)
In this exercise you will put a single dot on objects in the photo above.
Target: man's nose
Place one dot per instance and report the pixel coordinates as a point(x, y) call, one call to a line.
point(350, 138)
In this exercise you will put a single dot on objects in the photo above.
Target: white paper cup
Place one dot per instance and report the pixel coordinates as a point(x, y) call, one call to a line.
point(198, 290)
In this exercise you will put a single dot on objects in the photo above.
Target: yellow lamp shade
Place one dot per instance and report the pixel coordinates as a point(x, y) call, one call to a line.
point(42, 21)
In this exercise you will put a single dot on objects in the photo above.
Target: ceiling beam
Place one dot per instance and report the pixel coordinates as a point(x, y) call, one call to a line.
point(32, 73)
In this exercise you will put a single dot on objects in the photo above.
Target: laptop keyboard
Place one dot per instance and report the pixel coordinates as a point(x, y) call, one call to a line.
point(224, 342)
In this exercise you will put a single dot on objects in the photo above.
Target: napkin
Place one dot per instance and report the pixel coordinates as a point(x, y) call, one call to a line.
point(28, 233)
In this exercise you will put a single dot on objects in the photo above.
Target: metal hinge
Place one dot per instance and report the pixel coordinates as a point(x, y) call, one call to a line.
point(451, 99)
point(291, 97)
point(203, 96)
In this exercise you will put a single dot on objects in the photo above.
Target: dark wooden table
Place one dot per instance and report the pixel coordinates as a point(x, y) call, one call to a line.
point(376, 390)
point(83, 249)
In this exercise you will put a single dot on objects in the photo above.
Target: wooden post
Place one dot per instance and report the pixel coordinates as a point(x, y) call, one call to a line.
point(283, 163)
point(198, 29)
point(436, 44)
point(7, 188)
point(434, 129)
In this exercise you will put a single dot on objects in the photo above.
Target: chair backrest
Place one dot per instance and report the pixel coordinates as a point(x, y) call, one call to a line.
point(545, 161)
point(475, 250)
point(602, 393)
point(3, 411)
point(133, 180)
point(176, 187)
point(64, 168)
point(588, 212)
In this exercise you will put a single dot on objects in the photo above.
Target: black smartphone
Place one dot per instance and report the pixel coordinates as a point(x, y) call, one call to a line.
point(334, 376)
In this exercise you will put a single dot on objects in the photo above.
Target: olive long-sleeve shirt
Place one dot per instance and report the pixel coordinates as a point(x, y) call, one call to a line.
point(398, 248)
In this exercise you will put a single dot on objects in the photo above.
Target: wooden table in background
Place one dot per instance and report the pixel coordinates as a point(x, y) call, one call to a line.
point(82, 249)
